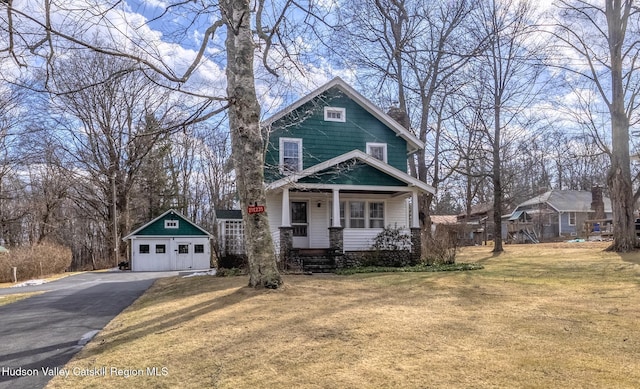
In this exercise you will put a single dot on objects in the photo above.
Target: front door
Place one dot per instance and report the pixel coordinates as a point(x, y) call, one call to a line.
point(300, 223)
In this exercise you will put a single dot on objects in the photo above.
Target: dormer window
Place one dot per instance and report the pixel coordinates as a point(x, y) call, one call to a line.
point(171, 224)
point(377, 151)
point(334, 114)
point(290, 155)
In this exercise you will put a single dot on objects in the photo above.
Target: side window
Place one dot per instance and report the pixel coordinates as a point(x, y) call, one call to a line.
point(144, 249)
point(290, 155)
point(198, 248)
point(377, 151)
point(161, 249)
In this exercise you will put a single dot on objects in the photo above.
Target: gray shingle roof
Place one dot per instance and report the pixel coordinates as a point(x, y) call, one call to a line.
point(565, 201)
point(228, 214)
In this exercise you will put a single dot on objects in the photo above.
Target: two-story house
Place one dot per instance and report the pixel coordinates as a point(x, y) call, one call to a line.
point(336, 173)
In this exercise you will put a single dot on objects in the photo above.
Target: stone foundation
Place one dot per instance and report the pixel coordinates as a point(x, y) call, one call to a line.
point(416, 245)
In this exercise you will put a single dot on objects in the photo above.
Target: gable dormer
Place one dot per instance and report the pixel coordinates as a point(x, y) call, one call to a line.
point(329, 122)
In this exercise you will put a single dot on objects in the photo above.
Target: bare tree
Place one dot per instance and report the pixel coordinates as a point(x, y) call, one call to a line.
point(122, 115)
point(416, 49)
point(604, 39)
point(509, 71)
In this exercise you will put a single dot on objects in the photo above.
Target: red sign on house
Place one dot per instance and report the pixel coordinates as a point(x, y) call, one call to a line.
point(255, 209)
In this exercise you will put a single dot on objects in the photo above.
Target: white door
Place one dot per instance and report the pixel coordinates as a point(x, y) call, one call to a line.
point(184, 256)
point(300, 224)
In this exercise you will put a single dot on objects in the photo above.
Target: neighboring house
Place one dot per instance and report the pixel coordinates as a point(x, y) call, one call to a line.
point(559, 213)
point(169, 242)
point(476, 226)
point(336, 175)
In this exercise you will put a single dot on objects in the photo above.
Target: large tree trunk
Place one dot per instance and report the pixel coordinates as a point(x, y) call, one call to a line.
point(619, 177)
point(247, 142)
point(497, 182)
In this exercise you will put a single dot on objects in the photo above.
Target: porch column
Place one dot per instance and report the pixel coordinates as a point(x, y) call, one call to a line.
point(286, 233)
point(416, 231)
point(335, 210)
point(336, 234)
point(415, 212)
point(286, 212)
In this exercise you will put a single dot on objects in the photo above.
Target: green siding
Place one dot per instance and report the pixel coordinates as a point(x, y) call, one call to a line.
point(322, 140)
point(184, 227)
point(353, 174)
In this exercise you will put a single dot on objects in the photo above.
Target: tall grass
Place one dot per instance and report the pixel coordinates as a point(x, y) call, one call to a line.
point(34, 261)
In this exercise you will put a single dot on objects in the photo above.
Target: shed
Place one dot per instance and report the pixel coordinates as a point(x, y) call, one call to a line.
point(169, 242)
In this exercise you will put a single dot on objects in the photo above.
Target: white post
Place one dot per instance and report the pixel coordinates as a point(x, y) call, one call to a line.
point(286, 213)
point(335, 210)
point(415, 213)
point(15, 274)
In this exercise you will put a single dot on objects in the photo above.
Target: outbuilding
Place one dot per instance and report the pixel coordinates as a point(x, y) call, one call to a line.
point(169, 242)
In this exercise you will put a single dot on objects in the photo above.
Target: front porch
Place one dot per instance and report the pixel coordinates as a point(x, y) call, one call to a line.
point(320, 229)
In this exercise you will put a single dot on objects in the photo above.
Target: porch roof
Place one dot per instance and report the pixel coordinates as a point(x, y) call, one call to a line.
point(360, 156)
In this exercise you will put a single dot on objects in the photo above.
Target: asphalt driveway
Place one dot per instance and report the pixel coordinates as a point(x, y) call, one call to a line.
point(39, 335)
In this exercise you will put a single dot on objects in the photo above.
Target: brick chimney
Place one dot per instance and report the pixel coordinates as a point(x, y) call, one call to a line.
point(399, 116)
point(597, 202)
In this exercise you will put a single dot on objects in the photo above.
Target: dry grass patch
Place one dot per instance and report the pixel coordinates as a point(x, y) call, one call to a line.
point(537, 316)
point(12, 298)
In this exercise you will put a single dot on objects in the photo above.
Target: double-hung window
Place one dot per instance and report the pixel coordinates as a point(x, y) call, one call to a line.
point(376, 215)
point(377, 151)
point(290, 155)
point(356, 214)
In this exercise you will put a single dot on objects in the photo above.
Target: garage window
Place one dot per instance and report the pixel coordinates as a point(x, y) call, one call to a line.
point(198, 248)
point(161, 249)
point(183, 249)
point(144, 249)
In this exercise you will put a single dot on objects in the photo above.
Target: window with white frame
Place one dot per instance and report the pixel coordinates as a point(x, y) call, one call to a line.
point(376, 215)
point(572, 218)
point(377, 150)
point(360, 214)
point(335, 114)
point(171, 224)
point(356, 214)
point(290, 155)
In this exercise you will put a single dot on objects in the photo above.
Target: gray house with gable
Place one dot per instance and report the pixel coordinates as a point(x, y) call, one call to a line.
point(558, 214)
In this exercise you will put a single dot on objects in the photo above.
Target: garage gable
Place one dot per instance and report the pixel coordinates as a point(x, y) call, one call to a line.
point(170, 223)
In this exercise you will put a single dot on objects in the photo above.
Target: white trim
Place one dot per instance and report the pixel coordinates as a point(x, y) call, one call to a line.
point(415, 212)
point(298, 141)
point(131, 235)
point(367, 209)
point(172, 224)
point(371, 145)
point(355, 154)
point(286, 213)
point(335, 208)
point(413, 143)
point(342, 114)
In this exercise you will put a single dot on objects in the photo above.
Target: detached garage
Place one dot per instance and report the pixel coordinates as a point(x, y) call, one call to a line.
point(169, 242)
